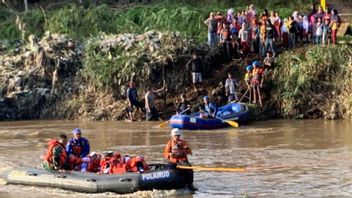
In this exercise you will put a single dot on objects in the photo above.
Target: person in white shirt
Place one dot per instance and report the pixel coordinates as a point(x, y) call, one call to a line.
point(230, 88)
point(243, 35)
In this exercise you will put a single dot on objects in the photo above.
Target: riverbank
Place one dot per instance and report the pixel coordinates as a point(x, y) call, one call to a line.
point(59, 76)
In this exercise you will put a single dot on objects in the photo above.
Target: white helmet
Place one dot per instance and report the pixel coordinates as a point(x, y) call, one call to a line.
point(176, 131)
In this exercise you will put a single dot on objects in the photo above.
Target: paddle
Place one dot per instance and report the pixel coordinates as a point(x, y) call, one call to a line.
point(245, 93)
point(165, 123)
point(236, 169)
point(230, 122)
point(202, 168)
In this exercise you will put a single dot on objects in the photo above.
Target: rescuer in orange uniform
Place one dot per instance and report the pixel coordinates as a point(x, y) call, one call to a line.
point(55, 157)
point(177, 149)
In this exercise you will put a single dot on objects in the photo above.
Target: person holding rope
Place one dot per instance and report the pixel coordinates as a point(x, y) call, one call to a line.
point(150, 107)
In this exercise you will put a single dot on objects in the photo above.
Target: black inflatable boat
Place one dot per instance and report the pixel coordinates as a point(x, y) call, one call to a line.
point(158, 177)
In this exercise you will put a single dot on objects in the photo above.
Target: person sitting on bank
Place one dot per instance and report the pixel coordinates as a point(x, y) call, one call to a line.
point(183, 106)
point(132, 100)
point(55, 157)
point(77, 148)
point(151, 111)
point(230, 88)
point(196, 67)
point(210, 108)
point(176, 149)
point(269, 61)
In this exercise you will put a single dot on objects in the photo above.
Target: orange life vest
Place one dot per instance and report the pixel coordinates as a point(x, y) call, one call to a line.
point(49, 153)
point(108, 163)
point(132, 164)
point(177, 151)
point(94, 164)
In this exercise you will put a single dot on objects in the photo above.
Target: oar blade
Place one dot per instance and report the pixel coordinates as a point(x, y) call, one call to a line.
point(220, 169)
point(164, 124)
point(232, 123)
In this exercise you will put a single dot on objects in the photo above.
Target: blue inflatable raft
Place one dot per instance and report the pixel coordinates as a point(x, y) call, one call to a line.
point(234, 111)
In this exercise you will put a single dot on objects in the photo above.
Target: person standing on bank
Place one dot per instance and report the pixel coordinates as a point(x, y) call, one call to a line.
point(196, 66)
point(151, 111)
point(132, 100)
point(212, 25)
point(230, 88)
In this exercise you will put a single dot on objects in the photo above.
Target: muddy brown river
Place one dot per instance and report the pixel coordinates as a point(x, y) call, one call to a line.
point(310, 158)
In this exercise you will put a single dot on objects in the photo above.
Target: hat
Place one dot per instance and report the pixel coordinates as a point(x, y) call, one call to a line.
point(92, 154)
point(249, 67)
point(76, 130)
point(256, 63)
point(176, 131)
point(205, 98)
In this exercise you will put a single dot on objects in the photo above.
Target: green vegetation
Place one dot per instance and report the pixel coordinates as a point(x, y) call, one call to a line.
point(111, 61)
point(80, 22)
point(308, 83)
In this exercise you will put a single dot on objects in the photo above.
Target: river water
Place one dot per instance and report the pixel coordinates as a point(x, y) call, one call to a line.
point(308, 158)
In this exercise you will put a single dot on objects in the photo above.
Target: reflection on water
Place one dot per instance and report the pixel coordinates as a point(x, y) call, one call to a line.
point(310, 158)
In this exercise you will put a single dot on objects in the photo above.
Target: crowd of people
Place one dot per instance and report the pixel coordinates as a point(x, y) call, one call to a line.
point(250, 32)
point(74, 154)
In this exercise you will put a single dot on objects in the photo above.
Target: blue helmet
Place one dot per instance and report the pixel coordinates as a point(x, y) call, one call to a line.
point(205, 98)
point(76, 130)
point(249, 67)
point(256, 63)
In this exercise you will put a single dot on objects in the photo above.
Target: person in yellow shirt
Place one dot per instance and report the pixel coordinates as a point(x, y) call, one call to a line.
point(334, 24)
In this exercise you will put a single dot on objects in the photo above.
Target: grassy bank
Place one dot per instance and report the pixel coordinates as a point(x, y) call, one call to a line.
point(313, 82)
point(82, 22)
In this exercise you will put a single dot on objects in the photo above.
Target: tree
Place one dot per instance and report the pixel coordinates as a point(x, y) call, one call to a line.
point(26, 5)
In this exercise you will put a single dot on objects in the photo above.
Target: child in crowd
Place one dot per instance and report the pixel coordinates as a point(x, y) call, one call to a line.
point(243, 35)
point(313, 30)
point(277, 24)
point(318, 32)
point(326, 33)
point(235, 27)
point(284, 30)
point(254, 31)
point(334, 24)
point(239, 18)
point(268, 61)
point(306, 28)
point(300, 26)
